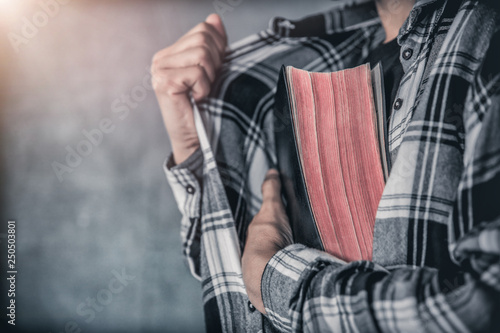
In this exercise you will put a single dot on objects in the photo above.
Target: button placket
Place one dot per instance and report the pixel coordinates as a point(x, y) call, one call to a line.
point(408, 53)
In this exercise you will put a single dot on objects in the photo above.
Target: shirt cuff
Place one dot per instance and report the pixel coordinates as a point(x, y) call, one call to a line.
point(185, 179)
point(283, 276)
point(194, 163)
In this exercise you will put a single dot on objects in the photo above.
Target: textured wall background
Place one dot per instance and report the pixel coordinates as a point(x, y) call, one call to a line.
point(114, 213)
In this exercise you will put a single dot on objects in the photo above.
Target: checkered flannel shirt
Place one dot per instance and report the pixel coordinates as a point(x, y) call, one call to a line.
point(436, 253)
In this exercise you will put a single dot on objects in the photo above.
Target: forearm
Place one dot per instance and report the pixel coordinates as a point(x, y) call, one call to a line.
point(307, 290)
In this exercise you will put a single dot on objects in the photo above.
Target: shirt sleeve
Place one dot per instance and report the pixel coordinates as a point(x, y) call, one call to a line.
point(185, 179)
point(305, 290)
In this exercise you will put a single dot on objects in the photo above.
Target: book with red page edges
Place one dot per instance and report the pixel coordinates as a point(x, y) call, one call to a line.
point(330, 132)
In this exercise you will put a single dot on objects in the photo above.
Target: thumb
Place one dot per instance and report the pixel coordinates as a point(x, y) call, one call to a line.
point(271, 187)
point(215, 21)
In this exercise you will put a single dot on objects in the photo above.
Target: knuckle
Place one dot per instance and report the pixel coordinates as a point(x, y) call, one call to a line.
point(204, 26)
point(156, 82)
point(162, 83)
point(202, 54)
point(157, 55)
point(202, 37)
point(203, 90)
point(199, 72)
point(155, 59)
point(161, 54)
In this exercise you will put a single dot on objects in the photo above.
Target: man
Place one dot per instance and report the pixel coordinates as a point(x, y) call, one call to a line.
point(436, 251)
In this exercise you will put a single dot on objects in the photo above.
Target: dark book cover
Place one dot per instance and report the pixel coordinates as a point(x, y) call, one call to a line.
point(294, 188)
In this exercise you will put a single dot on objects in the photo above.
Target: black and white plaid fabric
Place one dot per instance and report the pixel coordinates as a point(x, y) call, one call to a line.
point(436, 256)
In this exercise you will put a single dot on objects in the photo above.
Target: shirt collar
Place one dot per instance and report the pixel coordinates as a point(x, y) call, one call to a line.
point(345, 16)
point(416, 13)
point(342, 17)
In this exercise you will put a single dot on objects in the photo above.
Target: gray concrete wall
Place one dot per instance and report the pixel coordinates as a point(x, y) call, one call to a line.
point(114, 213)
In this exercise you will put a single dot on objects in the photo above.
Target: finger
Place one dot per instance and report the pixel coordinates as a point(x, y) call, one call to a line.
point(200, 39)
point(204, 27)
point(216, 21)
point(199, 55)
point(179, 81)
point(271, 187)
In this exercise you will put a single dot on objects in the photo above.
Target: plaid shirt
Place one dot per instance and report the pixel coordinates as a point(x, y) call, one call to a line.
point(436, 251)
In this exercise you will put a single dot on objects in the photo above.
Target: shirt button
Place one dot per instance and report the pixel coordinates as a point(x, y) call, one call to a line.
point(398, 104)
point(251, 307)
point(407, 54)
point(190, 189)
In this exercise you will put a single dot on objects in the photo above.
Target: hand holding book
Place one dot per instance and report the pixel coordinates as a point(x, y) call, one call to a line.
point(268, 233)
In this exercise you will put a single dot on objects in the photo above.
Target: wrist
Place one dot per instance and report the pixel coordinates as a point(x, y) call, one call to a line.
point(183, 148)
point(266, 237)
point(264, 240)
point(253, 264)
point(182, 154)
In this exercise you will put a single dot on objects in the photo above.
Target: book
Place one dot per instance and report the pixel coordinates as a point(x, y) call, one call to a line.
point(330, 131)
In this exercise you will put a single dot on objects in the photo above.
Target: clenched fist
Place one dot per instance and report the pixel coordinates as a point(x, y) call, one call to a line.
point(189, 65)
